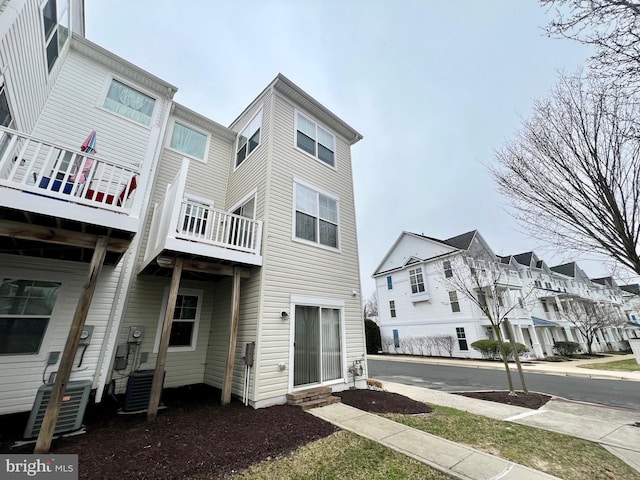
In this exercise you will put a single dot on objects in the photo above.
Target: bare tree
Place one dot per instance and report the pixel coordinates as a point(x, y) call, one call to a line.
point(612, 27)
point(371, 306)
point(447, 342)
point(387, 343)
point(572, 174)
point(483, 280)
point(588, 317)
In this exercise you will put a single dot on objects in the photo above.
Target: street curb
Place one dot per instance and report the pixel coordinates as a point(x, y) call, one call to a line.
point(429, 361)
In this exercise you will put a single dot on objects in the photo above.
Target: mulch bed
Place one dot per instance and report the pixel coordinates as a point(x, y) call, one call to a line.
point(376, 401)
point(195, 437)
point(528, 400)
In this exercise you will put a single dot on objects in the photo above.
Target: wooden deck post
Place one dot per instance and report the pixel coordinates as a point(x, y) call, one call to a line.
point(161, 360)
point(233, 336)
point(43, 444)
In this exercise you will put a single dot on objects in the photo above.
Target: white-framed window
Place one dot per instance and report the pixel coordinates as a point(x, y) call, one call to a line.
point(6, 120)
point(186, 320)
point(241, 230)
point(389, 282)
point(453, 300)
point(462, 338)
point(249, 138)
point(392, 308)
point(416, 279)
point(55, 20)
point(129, 102)
point(448, 272)
point(189, 141)
point(26, 307)
point(315, 140)
point(316, 216)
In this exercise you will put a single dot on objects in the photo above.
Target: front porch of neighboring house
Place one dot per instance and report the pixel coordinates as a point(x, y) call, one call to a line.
point(189, 239)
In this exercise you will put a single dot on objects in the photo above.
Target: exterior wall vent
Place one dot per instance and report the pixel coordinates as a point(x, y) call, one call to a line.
point(136, 398)
point(74, 403)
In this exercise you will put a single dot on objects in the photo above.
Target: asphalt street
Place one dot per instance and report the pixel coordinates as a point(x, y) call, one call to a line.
point(617, 393)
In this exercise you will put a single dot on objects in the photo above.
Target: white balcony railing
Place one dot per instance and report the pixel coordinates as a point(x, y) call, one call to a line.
point(179, 217)
point(31, 165)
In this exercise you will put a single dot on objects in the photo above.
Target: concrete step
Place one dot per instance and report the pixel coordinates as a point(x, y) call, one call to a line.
point(320, 402)
point(308, 394)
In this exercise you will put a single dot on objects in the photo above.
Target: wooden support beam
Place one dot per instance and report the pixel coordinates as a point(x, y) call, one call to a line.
point(161, 360)
point(208, 267)
point(43, 444)
point(25, 231)
point(233, 336)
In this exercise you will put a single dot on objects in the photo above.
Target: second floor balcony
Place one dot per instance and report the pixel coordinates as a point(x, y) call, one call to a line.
point(45, 179)
point(189, 226)
point(55, 201)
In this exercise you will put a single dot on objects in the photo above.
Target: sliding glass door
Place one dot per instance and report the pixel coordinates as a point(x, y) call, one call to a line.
point(317, 345)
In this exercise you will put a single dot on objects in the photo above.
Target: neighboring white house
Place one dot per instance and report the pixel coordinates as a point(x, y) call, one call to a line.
point(260, 214)
point(424, 286)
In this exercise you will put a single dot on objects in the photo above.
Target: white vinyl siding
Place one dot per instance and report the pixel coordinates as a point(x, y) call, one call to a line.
point(184, 366)
point(28, 80)
point(83, 80)
point(297, 268)
point(21, 375)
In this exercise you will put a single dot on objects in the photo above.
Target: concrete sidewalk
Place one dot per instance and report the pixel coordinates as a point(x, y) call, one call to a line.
point(571, 369)
point(452, 458)
point(613, 428)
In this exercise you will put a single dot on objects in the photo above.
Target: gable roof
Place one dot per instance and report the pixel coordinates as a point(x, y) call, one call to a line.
point(428, 240)
point(463, 241)
point(606, 281)
point(524, 258)
point(294, 93)
point(568, 269)
point(633, 288)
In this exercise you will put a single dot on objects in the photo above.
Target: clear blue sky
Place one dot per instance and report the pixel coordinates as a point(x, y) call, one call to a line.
point(435, 87)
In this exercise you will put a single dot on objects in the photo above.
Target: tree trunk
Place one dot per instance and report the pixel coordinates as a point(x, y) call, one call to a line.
point(505, 360)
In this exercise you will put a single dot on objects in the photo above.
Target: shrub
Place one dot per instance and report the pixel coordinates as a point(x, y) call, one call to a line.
point(372, 336)
point(489, 349)
point(566, 349)
point(508, 350)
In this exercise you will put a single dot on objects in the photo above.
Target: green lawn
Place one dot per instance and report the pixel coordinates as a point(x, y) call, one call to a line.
point(342, 455)
point(560, 455)
point(629, 365)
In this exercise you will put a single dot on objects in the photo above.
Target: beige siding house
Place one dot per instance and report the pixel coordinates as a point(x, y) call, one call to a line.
point(253, 223)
